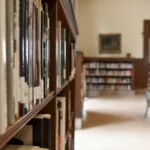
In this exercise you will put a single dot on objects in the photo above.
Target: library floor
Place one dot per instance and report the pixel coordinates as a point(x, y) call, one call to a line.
point(114, 122)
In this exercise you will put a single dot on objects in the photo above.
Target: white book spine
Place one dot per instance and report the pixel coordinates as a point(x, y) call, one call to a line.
point(35, 95)
point(63, 121)
point(3, 89)
point(30, 97)
point(10, 61)
point(42, 88)
point(16, 41)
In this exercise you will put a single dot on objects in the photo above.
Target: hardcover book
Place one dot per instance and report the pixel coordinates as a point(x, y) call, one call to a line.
point(3, 86)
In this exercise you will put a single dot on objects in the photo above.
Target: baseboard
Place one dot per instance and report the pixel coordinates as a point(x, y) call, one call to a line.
point(140, 91)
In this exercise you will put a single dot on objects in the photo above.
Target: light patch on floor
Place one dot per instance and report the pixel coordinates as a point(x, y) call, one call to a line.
point(114, 123)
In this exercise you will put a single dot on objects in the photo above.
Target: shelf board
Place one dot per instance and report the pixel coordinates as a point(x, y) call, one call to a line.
point(108, 90)
point(109, 83)
point(63, 86)
point(70, 16)
point(110, 69)
point(107, 76)
point(18, 125)
point(107, 59)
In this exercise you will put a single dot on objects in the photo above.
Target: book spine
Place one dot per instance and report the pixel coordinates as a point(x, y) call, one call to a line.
point(3, 61)
point(37, 125)
point(22, 61)
point(10, 62)
point(47, 48)
point(57, 76)
point(46, 133)
point(48, 45)
point(59, 53)
point(62, 56)
point(30, 52)
point(39, 49)
point(33, 55)
point(26, 50)
point(63, 122)
point(16, 57)
point(59, 129)
point(42, 52)
point(37, 55)
point(65, 54)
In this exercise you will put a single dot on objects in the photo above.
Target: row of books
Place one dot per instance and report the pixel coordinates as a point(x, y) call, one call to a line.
point(24, 57)
point(108, 65)
point(37, 132)
point(109, 73)
point(108, 87)
point(109, 80)
point(61, 50)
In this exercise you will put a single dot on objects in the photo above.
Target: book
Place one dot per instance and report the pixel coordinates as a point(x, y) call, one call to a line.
point(10, 61)
point(58, 54)
point(46, 49)
point(16, 57)
point(63, 56)
point(61, 120)
point(22, 59)
point(37, 125)
point(29, 135)
point(3, 61)
point(30, 58)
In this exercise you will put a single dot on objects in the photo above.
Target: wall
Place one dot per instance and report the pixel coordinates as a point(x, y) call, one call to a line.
point(112, 16)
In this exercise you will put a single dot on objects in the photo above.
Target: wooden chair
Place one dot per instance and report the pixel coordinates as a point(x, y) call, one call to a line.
point(148, 101)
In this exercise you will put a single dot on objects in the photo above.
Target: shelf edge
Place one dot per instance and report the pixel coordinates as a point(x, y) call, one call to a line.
point(18, 125)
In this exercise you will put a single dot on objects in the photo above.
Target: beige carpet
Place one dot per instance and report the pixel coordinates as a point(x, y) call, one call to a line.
point(114, 123)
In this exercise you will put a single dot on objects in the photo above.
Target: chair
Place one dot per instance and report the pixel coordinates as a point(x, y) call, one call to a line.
point(148, 102)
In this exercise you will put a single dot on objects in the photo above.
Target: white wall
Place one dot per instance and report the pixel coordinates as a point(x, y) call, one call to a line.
point(112, 16)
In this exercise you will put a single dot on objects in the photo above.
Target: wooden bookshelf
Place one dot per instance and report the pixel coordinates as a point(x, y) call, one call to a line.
point(80, 89)
point(59, 10)
point(116, 73)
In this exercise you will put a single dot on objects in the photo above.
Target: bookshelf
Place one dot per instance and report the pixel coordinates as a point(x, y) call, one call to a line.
point(62, 11)
point(80, 89)
point(109, 74)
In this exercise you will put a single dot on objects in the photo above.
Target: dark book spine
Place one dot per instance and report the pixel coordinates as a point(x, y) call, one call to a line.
point(33, 57)
point(37, 125)
point(22, 65)
point(22, 60)
point(63, 56)
point(26, 46)
point(42, 51)
point(47, 133)
point(45, 49)
point(59, 105)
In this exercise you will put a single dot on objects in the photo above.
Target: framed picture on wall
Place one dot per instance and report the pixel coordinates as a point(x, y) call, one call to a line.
point(110, 43)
